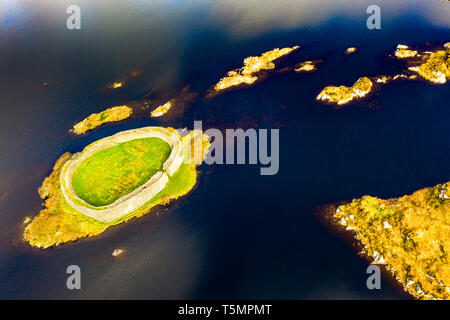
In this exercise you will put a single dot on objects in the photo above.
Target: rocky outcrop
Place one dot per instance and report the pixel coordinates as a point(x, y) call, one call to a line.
point(306, 66)
point(409, 235)
point(403, 51)
point(57, 222)
point(342, 94)
point(435, 66)
point(350, 50)
point(113, 114)
point(161, 110)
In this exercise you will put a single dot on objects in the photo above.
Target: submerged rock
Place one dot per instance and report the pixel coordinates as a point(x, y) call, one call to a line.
point(117, 252)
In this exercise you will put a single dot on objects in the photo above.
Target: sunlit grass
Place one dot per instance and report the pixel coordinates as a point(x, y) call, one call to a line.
point(114, 172)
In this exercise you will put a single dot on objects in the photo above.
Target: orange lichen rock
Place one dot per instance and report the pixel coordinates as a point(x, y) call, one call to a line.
point(410, 235)
point(59, 223)
point(234, 78)
point(161, 110)
point(116, 85)
point(307, 66)
point(252, 65)
point(382, 79)
point(113, 114)
point(435, 66)
point(341, 94)
point(350, 50)
point(404, 51)
point(178, 101)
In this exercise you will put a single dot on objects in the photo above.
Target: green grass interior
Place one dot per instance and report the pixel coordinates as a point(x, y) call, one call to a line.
point(114, 172)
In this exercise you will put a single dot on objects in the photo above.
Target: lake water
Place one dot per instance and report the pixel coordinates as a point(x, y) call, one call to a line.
point(237, 234)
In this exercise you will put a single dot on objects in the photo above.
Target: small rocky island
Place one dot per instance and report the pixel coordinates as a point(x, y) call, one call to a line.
point(434, 66)
point(113, 114)
point(248, 74)
point(350, 50)
point(403, 52)
point(113, 180)
point(306, 66)
point(409, 235)
point(178, 101)
point(341, 94)
point(161, 110)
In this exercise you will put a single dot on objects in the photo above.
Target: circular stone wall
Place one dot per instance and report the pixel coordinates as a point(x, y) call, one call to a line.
point(139, 196)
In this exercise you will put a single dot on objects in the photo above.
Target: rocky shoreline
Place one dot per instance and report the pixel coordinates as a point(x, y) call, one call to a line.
point(95, 120)
point(408, 236)
point(59, 223)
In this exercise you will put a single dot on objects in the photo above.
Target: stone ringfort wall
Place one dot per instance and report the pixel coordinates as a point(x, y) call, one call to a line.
point(139, 196)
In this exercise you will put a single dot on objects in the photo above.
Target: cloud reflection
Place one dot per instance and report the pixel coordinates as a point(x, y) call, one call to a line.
point(253, 17)
point(239, 18)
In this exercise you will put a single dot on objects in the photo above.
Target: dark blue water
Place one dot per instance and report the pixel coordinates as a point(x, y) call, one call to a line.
point(237, 234)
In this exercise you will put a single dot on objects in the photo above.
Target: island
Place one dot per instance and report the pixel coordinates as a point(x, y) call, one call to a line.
point(306, 66)
point(161, 110)
point(118, 252)
point(341, 94)
point(113, 114)
point(178, 101)
point(435, 66)
point(409, 236)
point(403, 51)
point(116, 85)
point(113, 180)
point(248, 74)
point(350, 50)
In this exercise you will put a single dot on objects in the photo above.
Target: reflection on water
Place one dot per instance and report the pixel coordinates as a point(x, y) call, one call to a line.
point(238, 235)
point(240, 18)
